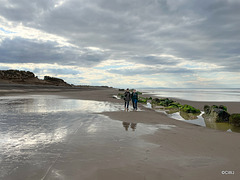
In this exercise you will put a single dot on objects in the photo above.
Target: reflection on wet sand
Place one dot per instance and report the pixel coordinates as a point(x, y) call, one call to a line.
point(224, 126)
point(36, 130)
point(49, 104)
point(126, 125)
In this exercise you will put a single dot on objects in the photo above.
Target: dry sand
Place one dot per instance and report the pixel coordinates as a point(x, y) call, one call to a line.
point(186, 151)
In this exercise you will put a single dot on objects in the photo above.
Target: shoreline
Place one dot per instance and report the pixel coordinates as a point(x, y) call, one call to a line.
point(233, 106)
point(186, 151)
point(7, 89)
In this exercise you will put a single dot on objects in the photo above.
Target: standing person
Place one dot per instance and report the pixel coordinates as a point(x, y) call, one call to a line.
point(127, 98)
point(134, 99)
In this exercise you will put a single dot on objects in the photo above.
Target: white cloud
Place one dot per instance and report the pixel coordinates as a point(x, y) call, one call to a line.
point(19, 30)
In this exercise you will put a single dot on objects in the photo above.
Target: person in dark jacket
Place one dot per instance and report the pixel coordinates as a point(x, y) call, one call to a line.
point(134, 99)
point(127, 98)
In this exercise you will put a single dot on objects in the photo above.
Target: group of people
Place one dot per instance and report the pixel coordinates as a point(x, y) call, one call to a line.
point(128, 96)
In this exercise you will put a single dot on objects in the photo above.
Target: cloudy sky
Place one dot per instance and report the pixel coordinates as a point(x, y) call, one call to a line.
point(124, 43)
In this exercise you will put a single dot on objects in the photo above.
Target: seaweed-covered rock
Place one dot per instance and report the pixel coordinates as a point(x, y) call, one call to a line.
point(234, 119)
point(174, 105)
point(223, 107)
point(189, 109)
point(216, 113)
point(142, 100)
point(162, 102)
point(156, 101)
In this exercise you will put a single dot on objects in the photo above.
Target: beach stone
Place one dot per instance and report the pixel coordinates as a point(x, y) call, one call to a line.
point(234, 119)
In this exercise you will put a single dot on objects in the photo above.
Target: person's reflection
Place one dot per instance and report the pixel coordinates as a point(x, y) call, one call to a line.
point(133, 126)
point(127, 124)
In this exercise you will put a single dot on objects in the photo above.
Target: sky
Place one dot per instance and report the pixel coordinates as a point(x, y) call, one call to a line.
point(124, 43)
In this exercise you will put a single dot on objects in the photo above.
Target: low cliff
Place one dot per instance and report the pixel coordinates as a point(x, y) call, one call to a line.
point(27, 77)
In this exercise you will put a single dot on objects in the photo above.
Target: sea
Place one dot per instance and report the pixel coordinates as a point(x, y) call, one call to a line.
point(214, 95)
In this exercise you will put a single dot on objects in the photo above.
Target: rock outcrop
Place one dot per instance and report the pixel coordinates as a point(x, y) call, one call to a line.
point(216, 113)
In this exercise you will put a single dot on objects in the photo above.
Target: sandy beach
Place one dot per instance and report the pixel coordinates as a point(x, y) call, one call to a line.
point(172, 150)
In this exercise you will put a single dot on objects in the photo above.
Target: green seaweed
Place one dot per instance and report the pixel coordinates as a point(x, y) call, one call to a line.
point(121, 95)
point(215, 106)
point(142, 100)
point(189, 109)
point(223, 108)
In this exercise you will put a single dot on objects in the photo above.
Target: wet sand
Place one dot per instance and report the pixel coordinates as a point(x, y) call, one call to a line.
point(171, 150)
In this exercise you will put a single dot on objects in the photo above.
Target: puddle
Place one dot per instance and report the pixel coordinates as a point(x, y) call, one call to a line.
point(132, 126)
point(36, 130)
point(199, 120)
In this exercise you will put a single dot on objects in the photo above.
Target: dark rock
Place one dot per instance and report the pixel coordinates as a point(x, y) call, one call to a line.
point(220, 115)
point(156, 100)
point(223, 108)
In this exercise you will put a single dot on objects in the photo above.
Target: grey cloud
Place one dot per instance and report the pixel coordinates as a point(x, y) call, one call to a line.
point(23, 10)
point(21, 50)
point(201, 31)
point(155, 60)
point(150, 71)
point(57, 71)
